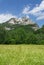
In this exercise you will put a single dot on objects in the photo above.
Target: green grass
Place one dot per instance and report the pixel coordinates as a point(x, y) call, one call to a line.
point(21, 54)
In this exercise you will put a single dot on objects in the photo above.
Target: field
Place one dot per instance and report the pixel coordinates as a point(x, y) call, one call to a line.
point(21, 54)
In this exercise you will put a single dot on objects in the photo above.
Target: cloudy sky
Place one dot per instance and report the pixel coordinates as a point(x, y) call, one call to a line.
point(34, 9)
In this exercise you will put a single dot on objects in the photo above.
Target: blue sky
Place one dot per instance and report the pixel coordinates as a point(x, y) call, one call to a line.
point(34, 9)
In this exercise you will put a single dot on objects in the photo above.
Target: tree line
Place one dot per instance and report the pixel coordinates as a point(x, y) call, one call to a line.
point(21, 35)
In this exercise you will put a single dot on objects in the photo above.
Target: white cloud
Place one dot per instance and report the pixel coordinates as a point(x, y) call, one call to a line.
point(5, 17)
point(26, 10)
point(36, 11)
point(40, 17)
point(37, 8)
point(27, 16)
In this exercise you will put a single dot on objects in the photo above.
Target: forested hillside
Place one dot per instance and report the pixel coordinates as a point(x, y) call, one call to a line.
point(21, 34)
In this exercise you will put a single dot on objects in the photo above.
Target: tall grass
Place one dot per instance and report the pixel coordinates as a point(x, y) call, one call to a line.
point(21, 54)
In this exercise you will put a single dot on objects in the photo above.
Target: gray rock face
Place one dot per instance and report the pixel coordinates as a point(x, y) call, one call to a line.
point(23, 21)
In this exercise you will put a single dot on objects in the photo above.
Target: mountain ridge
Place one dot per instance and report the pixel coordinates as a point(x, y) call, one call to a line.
point(22, 21)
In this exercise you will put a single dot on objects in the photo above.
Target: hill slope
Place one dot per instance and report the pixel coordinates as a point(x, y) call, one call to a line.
point(21, 34)
point(13, 22)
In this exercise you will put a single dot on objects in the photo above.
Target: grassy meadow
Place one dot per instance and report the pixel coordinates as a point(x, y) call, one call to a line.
point(21, 54)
